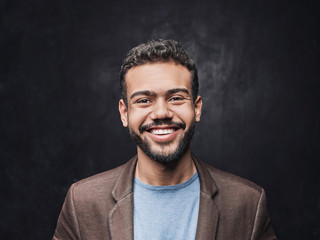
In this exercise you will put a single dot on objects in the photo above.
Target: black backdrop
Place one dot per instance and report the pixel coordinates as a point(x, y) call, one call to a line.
point(258, 65)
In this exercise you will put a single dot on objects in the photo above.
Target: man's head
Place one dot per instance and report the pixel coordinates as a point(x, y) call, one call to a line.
point(160, 101)
point(156, 51)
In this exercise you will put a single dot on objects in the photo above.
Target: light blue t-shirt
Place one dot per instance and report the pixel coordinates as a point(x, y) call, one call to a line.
point(166, 212)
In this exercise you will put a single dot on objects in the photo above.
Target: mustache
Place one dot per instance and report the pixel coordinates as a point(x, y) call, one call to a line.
point(157, 123)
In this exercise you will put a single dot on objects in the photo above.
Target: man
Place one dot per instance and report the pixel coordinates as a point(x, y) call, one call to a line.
point(164, 192)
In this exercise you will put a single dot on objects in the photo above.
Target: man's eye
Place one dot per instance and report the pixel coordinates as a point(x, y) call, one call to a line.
point(174, 99)
point(143, 101)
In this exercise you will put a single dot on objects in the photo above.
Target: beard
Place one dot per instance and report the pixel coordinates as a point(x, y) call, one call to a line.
point(164, 157)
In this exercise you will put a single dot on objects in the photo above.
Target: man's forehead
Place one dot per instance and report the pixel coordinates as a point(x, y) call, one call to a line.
point(157, 65)
point(158, 75)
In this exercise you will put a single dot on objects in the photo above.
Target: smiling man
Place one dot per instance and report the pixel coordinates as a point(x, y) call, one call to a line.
point(164, 192)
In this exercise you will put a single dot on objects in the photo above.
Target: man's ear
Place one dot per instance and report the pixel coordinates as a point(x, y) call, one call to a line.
point(123, 113)
point(198, 108)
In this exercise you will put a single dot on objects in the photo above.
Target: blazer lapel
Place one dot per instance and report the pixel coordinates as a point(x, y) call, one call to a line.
point(120, 219)
point(208, 211)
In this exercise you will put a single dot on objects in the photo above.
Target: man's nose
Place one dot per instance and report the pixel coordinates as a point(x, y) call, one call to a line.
point(161, 110)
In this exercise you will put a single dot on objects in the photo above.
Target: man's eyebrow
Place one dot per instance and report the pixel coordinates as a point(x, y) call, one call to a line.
point(175, 90)
point(145, 93)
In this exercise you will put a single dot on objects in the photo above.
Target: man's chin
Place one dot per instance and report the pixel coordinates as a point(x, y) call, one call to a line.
point(163, 155)
point(164, 152)
point(163, 158)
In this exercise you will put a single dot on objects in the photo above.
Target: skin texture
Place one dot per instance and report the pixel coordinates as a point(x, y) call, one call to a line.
point(160, 98)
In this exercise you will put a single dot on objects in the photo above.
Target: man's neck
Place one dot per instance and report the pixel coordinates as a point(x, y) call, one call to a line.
point(158, 174)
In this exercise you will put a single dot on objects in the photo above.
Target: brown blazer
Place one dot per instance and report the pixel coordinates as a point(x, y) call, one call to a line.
point(101, 207)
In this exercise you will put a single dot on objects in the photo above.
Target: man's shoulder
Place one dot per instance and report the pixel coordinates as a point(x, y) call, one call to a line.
point(231, 184)
point(101, 183)
point(227, 178)
point(101, 178)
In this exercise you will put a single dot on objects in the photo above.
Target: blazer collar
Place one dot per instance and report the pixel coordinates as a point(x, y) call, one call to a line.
point(124, 185)
point(208, 212)
point(207, 184)
point(120, 219)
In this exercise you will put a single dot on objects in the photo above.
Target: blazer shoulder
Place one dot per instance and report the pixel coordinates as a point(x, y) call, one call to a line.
point(241, 205)
point(103, 176)
point(99, 183)
point(226, 180)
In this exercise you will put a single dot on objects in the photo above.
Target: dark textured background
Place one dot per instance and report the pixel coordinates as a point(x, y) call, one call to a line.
point(258, 64)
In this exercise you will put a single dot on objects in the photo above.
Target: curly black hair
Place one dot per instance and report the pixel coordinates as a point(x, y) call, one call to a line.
point(156, 51)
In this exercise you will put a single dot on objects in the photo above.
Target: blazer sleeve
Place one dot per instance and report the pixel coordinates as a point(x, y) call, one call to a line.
point(262, 229)
point(67, 225)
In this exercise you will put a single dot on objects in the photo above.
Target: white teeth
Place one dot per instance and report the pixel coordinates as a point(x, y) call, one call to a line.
point(162, 131)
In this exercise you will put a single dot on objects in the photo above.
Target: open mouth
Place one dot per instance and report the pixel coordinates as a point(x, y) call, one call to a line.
point(162, 127)
point(157, 131)
point(163, 132)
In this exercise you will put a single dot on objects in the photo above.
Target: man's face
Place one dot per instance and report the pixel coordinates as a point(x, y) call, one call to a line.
point(160, 112)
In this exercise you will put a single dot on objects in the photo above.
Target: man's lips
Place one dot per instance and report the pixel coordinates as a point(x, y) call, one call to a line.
point(162, 127)
point(163, 134)
point(163, 130)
